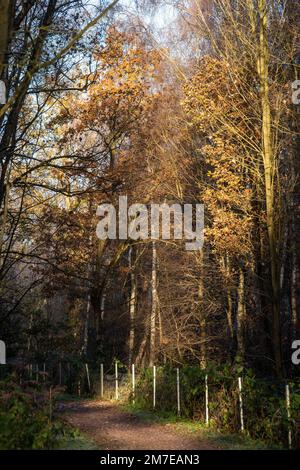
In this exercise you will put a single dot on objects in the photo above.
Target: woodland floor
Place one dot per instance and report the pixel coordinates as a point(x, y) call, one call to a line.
point(111, 428)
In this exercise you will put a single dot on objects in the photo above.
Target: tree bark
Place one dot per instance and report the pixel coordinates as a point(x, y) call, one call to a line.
point(132, 305)
point(5, 34)
point(241, 318)
point(269, 176)
point(202, 319)
point(152, 354)
point(86, 326)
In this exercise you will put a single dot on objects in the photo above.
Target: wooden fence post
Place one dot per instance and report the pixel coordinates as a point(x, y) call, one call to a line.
point(44, 371)
point(206, 402)
point(288, 413)
point(178, 393)
point(101, 381)
point(154, 387)
point(88, 376)
point(117, 381)
point(133, 383)
point(241, 404)
point(50, 403)
point(37, 372)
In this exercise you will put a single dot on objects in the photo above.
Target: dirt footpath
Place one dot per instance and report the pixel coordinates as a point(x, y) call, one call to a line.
point(114, 429)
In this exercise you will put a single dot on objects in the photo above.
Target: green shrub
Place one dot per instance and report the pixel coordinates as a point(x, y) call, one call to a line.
point(24, 418)
point(264, 402)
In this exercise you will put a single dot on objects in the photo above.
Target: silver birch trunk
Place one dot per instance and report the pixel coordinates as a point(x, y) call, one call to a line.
point(132, 305)
point(153, 305)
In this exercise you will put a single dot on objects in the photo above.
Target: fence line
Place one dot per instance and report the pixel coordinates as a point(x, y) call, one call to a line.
point(178, 393)
point(101, 382)
point(206, 401)
point(88, 376)
point(240, 386)
point(133, 383)
point(117, 381)
point(288, 411)
point(85, 381)
point(154, 387)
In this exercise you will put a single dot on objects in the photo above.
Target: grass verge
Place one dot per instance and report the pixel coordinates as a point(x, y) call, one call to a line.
point(73, 439)
point(212, 436)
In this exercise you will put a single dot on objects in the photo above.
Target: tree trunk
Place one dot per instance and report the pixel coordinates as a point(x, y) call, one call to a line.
point(4, 219)
point(5, 30)
point(153, 306)
point(229, 310)
point(86, 326)
point(132, 305)
point(241, 317)
point(295, 286)
point(202, 322)
point(269, 176)
point(100, 316)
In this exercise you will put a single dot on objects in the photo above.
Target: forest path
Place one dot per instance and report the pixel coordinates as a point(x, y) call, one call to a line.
point(114, 429)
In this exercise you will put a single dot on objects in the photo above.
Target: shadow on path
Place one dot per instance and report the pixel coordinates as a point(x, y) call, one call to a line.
point(114, 429)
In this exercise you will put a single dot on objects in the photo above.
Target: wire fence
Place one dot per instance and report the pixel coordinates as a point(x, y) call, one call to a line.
point(261, 408)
